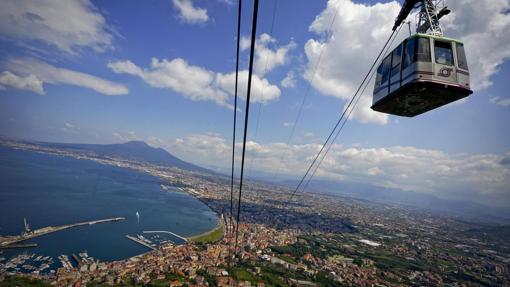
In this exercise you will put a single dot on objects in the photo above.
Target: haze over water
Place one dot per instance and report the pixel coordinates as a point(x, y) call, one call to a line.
point(51, 190)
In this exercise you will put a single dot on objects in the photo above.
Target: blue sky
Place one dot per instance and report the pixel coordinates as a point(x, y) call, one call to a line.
point(162, 71)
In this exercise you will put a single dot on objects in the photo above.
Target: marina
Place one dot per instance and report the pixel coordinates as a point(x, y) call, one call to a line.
point(167, 232)
point(28, 263)
point(141, 241)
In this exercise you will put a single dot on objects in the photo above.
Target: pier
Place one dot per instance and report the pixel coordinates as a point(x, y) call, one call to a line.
point(28, 245)
point(9, 240)
point(168, 232)
point(76, 259)
point(141, 242)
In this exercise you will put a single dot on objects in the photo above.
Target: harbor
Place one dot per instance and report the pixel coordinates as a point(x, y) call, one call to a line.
point(27, 263)
point(39, 264)
point(9, 241)
point(141, 240)
point(167, 232)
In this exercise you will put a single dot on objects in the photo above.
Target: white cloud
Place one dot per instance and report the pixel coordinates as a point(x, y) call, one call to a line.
point(289, 81)
point(499, 101)
point(227, 2)
point(210, 147)
point(49, 74)
point(267, 58)
point(189, 13)
point(197, 83)
point(245, 43)
point(375, 171)
point(69, 128)
point(261, 90)
point(193, 82)
point(69, 25)
point(480, 177)
point(287, 124)
point(29, 83)
point(365, 114)
point(483, 26)
point(350, 45)
point(348, 49)
point(126, 137)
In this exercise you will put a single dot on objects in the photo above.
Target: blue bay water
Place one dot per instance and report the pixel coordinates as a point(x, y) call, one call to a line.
point(53, 190)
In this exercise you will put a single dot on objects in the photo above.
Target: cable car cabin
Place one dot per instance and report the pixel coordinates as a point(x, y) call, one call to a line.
point(424, 72)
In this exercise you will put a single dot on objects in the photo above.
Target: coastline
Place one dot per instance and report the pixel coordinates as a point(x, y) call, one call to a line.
point(32, 148)
point(220, 228)
point(220, 225)
point(137, 167)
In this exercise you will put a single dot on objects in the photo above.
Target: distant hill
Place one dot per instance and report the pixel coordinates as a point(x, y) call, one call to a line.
point(133, 150)
point(465, 209)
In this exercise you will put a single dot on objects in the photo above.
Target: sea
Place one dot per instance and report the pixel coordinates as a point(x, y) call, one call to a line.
point(50, 190)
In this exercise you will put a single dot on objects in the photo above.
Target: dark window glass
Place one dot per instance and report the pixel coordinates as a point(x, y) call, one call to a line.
point(461, 56)
point(395, 62)
point(422, 50)
point(386, 69)
point(443, 52)
point(408, 53)
point(379, 76)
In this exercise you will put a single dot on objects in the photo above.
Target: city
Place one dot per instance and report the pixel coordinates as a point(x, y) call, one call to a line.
point(310, 240)
point(249, 143)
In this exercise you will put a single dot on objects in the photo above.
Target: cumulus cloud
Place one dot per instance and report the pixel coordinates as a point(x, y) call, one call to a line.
point(227, 2)
point(46, 73)
point(197, 83)
point(210, 147)
point(480, 177)
point(483, 26)
point(506, 160)
point(261, 90)
point(126, 136)
point(289, 81)
point(499, 101)
point(68, 25)
point(69, 128)
point(28, 83)
point(268, 55)
point(375, 171)
point(189, 13)
point(348, 47)
point(193, 82)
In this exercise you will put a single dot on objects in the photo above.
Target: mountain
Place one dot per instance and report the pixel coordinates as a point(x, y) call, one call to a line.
point(133, 150)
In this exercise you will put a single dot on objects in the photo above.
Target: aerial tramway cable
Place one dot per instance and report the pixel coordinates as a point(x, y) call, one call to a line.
point(349, 114)
point(229, 232)
point(262, 89)
point(344, 113)
point(248, 94)
point(305, 96)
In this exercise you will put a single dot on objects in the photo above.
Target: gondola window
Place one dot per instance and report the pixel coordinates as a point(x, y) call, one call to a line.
point(443, 52)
